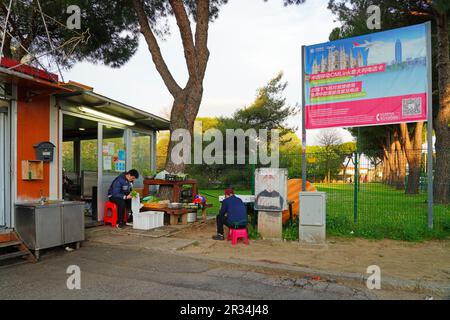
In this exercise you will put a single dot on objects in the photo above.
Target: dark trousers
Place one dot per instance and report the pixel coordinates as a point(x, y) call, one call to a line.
point(223, 220)
point(122, 208)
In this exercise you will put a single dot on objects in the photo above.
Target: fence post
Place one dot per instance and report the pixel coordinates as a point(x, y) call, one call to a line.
point(356, 181)
point(303, 123)
point(355, 188)
point(253, 178)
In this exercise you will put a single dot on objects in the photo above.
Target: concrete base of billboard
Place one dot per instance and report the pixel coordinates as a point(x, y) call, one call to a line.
point(270, 225)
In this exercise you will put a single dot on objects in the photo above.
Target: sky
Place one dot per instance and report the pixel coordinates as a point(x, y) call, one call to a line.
point(249, 44)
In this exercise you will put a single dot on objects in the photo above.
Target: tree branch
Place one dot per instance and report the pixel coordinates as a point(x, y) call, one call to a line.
point(184, 26)
point(154, 49)
point(201, 35)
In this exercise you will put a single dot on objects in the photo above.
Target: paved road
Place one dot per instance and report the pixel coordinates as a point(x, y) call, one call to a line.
point(119, 273)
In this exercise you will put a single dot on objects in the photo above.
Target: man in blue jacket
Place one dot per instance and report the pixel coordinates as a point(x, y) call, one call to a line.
point(236, 214)
point(119, 193)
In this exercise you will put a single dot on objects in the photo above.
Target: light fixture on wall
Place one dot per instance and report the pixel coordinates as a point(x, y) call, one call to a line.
point(82, 129)
point(106, 116)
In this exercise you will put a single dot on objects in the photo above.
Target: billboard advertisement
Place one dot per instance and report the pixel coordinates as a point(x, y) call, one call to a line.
point(374, 79)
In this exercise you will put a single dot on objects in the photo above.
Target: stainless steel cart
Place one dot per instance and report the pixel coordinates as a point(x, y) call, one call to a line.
point(51, 224)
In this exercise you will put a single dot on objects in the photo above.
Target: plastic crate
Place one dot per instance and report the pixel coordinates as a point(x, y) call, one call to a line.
point(148, 220)
point(159, 218)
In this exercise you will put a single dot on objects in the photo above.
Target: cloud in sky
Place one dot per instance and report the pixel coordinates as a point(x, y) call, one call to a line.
point(250, 43)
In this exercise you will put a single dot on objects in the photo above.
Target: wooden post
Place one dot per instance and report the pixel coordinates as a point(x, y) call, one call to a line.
point(173, 219)
point(270, 224)
point(204, 213)
point(184, 219)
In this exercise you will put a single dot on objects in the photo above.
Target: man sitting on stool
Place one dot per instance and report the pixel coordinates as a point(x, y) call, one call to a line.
point(236, 214)
point(119, 193)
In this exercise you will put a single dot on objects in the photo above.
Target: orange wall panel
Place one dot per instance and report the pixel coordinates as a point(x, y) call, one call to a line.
point(33, 126)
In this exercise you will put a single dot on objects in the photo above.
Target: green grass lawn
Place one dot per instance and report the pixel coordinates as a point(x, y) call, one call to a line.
point(383, 212)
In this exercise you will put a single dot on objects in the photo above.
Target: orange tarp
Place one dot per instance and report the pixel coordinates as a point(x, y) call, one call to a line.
point(294, 187)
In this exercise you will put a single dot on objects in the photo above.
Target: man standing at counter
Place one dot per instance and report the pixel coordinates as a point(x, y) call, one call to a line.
point(119, 193)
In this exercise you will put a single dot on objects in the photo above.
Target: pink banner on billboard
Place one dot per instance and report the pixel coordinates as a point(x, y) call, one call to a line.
point(406, 108)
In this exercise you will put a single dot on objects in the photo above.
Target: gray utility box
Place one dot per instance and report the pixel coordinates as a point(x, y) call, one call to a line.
point(50, 225)
point(312, 217)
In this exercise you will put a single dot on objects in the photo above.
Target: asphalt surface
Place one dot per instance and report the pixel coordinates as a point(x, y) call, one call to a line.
point(135, 274)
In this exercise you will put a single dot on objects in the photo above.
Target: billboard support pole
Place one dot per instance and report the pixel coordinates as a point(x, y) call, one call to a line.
point(356, 182)
point(303, 123)
point(429, 129)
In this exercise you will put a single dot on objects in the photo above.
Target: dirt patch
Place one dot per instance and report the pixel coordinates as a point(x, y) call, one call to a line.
point(427, 261)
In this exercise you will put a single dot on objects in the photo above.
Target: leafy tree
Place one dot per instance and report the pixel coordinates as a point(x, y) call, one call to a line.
point(268, 111)
point(208, 123)
point(329, 140)
point(325, 162)
point(162, 145)
point(291, 154)
point(109, 32)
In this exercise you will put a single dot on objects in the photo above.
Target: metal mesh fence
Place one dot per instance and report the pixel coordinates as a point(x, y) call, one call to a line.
point(378, 194)
point(382, 198)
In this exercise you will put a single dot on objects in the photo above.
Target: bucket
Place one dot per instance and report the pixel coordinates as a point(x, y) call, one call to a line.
point(191, 216)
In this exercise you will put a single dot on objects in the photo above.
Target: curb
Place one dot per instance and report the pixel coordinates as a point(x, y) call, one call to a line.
point(386, 282)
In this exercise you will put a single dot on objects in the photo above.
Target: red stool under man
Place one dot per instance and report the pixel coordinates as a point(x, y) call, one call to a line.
point(235, 234)
point(110, 215)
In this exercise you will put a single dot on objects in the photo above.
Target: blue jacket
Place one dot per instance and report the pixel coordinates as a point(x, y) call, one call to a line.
point(120, 187)
point(235, 210)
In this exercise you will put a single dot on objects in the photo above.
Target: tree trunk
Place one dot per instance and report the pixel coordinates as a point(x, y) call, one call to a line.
point(184, 111)
point(413, 153)
point(401, 162)
point(442, 119)
point(393, 174)
point(187, 100)
point(385, 177)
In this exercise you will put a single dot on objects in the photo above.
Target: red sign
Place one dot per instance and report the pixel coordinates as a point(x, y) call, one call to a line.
point(31, 71)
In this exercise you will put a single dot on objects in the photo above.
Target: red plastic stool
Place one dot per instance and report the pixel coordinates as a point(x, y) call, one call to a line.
point(235, 234)
point(110, 215)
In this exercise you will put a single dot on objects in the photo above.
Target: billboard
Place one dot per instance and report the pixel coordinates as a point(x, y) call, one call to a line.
point(374, 79)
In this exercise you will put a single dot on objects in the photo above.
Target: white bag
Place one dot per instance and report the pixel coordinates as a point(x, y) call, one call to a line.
point(136, 204)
